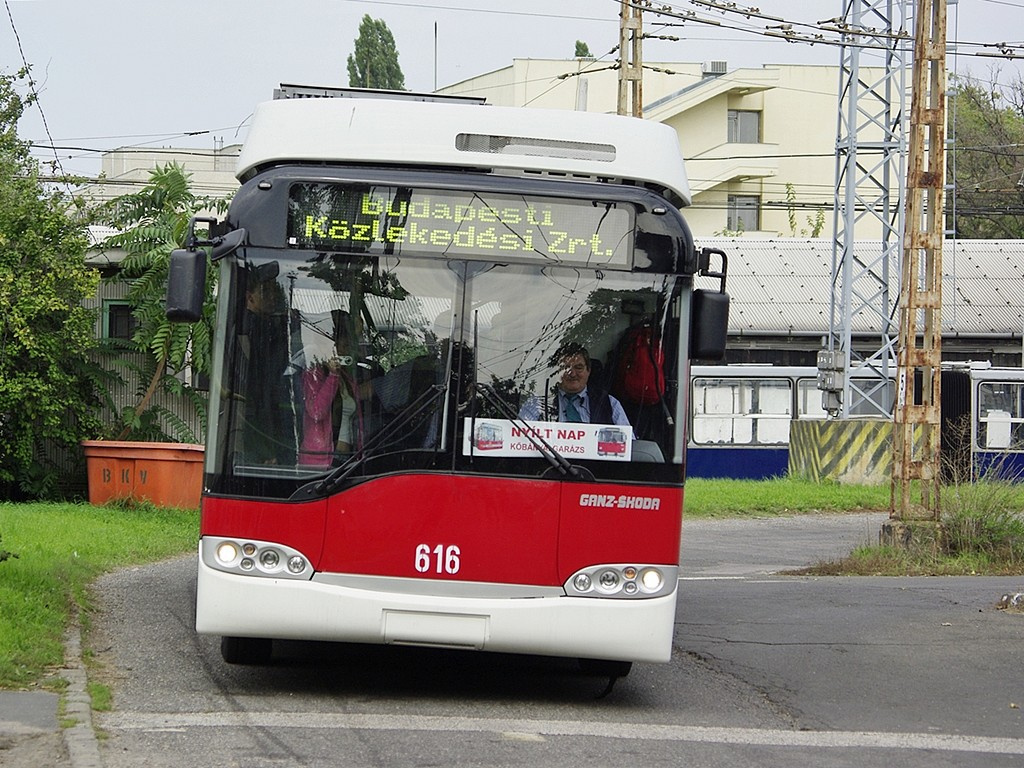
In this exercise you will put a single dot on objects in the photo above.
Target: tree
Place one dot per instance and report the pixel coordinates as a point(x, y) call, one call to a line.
point(583, 50)
point(374, 63)
point(47, 396)
point(986, 164)
point(153, 222)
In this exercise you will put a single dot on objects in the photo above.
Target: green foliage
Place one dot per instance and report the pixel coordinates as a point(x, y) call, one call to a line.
point(981, 531)
point(726, 232)
point(778, 496)
point(374, 61)
point(101, 696)
point(152, 223)
point(46, 396)
point(816, 224)
point(4, 554)
point(987, 128)
point(985, 519)
point(582, 50)
point(62, 548)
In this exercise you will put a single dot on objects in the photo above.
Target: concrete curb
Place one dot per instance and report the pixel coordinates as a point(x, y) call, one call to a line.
point(80, 739)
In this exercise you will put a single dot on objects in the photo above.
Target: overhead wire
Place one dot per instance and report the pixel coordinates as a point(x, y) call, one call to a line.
point(662, 9)
point(734, 17)
point(32, 87)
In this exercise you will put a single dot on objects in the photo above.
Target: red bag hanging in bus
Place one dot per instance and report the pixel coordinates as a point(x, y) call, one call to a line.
point(640, 367)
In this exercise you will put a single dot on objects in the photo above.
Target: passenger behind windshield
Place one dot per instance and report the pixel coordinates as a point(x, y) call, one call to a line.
point(269, 405)
point(574, 398)
point(332, 418)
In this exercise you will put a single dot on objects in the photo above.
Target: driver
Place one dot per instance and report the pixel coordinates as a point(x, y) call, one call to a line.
point(575, 400)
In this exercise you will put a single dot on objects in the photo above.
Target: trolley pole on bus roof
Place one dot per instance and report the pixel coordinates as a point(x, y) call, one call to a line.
point(631, 77)
point(914, 512)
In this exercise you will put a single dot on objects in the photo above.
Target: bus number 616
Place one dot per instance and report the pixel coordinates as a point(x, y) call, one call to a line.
point(441, 559)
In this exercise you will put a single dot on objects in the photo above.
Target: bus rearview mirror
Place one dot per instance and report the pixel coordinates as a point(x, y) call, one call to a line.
point(709, 325)
point(186, 286)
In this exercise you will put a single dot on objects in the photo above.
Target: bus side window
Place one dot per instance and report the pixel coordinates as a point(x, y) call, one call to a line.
point(997, 435)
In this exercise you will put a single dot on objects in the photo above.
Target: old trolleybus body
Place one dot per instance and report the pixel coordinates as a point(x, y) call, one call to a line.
point(395, 278)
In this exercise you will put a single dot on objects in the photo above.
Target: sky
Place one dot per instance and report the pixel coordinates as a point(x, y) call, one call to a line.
point(188, 73)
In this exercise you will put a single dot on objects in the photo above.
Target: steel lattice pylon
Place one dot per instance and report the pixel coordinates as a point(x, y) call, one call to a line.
point(871, 154)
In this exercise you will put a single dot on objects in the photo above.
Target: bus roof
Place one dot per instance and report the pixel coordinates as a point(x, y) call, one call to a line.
point(578, 145)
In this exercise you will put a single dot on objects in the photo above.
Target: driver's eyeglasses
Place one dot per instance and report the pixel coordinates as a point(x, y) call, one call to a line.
point(577, 368)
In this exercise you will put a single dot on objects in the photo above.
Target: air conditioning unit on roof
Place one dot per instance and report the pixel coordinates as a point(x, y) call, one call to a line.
point(714, 68)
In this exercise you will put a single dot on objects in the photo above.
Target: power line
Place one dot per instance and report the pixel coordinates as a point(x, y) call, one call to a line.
point(831, 32)
point(724, 8)
point(479, 10)
point(668, 9)
point(31, 85)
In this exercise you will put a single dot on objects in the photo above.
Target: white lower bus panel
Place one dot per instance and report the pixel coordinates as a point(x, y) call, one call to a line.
point(377, 612)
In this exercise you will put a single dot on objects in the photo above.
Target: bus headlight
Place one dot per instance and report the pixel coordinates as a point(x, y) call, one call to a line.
point(651, 580)
point(269, 559)
point(227, 553)
point(254, 558)
point(609, 580)
point(582, 582)
point(623, 581)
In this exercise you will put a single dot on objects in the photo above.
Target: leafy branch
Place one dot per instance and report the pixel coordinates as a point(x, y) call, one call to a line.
point(151, 223)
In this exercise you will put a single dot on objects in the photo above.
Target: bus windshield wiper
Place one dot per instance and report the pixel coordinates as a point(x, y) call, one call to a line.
point(554, 458)
point(426, 400)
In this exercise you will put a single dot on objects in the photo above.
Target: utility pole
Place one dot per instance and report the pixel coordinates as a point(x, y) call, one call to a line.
point(916, 428)
point(631, 78)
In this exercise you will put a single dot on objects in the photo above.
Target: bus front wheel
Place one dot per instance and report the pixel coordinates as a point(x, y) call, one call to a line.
point(246, 650)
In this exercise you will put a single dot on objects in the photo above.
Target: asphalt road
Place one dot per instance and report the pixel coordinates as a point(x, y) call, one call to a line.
point(768, 670)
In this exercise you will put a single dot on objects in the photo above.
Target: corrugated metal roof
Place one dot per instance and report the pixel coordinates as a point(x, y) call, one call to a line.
point(784, 286)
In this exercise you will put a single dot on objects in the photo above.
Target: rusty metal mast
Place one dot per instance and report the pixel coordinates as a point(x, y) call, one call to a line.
point(916, 428)
point(631, 77)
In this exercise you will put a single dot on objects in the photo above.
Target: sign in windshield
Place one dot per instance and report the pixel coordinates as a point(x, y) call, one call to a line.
point(362, 218)
point(527, 439)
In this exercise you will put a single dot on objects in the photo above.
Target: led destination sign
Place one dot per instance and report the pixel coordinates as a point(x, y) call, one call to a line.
point(362, 219)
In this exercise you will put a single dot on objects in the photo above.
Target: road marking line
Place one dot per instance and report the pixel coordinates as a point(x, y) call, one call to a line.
point(161, 721)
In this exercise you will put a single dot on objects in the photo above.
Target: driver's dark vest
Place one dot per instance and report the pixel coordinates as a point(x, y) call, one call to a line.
point(600, 406)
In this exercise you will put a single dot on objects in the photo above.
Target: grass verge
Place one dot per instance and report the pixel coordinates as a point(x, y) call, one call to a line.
point(980, 532)
point(779, 496)
point(59, 549)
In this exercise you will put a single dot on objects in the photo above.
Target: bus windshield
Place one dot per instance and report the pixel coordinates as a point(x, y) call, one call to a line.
point(348, 365)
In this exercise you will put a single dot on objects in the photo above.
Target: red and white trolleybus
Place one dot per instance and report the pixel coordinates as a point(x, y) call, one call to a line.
point(391, 273)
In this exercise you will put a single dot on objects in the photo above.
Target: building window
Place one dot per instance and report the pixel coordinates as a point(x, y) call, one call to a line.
point(744, 213)
point(744, 126)
point(118, 320)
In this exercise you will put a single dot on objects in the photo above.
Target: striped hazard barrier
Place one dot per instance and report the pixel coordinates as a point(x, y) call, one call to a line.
point(844, 451)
